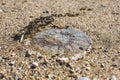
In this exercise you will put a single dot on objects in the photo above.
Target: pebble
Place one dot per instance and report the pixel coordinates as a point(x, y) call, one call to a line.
point(39, 56)
point(11, 63)
point(1, 10)
point(113, 77)
point(63, 59)
point(34, 65)
point(1, 60)
point(6, 58)
point(50, 76)
point(1, 76)
point(83, 78)
point(76, 57)
point(29, 53)
point(13, 54)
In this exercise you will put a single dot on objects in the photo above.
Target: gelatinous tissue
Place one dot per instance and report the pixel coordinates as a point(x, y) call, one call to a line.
point(63, 41)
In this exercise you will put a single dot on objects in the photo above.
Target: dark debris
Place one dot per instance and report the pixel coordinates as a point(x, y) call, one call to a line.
point(41, 22)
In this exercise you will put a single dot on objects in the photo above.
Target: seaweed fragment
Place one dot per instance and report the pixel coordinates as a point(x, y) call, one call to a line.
point(33, 27)
point(39, 24)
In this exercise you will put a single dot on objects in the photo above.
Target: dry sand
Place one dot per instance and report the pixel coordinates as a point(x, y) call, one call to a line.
point(99, 19)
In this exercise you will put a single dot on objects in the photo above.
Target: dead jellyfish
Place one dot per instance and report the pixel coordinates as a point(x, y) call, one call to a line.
point(62, 41)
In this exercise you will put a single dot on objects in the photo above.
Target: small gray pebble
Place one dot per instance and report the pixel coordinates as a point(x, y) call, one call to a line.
point(2, 76)
point(29, 53)
point(83, 78)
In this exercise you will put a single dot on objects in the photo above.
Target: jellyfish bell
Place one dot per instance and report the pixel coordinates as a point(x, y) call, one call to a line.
point(62, 41)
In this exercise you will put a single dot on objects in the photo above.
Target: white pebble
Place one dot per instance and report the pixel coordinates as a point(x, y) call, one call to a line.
point(83, 78)
point(64, 59)
point(35, 63)
point(113, 77)
point(13, 54)
point(1, 10)
point(39, 55)
point(76, 56)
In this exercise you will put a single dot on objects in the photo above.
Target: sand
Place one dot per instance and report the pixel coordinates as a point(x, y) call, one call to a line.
point(99, 19)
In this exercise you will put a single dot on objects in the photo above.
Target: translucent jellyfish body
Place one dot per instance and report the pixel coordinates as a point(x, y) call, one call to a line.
point(62, 41)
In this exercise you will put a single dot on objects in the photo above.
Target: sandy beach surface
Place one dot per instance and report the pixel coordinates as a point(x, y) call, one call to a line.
point(98, 19)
